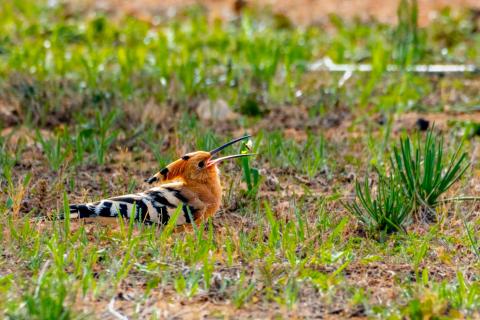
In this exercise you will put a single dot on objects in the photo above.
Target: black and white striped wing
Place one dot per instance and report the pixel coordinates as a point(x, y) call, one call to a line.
point(156, 205)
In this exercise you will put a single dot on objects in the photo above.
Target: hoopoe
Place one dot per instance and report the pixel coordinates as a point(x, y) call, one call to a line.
point(191, 182)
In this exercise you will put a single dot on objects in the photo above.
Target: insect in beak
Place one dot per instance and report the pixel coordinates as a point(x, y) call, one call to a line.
point(217, 150)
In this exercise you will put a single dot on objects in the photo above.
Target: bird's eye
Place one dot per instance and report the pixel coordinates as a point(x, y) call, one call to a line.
point(201, 164)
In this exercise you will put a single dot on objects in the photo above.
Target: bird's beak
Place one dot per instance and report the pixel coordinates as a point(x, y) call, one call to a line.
point(212, 162)
point(215, 161)
point(217, 150)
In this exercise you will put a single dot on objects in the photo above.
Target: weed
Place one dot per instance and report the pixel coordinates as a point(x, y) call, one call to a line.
point(46, 303)
point(424, 172)
point(55, 149)
point(316, 162)
point(7, 160)
point(387, 211)
point(251, 177)
point(474, 242)
point(438, 300)
point(243, 292)
point(105, 136)
point(408, 37)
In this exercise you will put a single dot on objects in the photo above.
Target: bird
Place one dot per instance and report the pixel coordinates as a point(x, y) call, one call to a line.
point(190, 184)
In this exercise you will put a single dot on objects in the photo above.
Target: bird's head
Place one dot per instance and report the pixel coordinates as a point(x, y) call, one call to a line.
point(199, 166)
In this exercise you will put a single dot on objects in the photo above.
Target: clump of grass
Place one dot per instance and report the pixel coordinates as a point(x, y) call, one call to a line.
point(408, 38)
point(424, 170)
point(54, 149)
point(420, 175)
point(105, 137)
point(386, 211)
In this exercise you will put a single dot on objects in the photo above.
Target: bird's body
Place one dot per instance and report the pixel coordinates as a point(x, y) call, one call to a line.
point(191, 182)
point(156, 205)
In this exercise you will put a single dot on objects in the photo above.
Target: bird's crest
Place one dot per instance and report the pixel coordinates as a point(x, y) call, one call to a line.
point(196, 165)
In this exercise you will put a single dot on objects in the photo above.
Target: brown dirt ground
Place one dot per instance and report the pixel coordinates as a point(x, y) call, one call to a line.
point(299, 11)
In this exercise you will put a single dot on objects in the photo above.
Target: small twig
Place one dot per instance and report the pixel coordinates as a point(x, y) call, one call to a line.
point(115, 313)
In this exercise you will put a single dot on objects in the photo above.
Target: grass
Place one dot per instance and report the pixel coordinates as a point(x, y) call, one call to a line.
point(387, 211)
point(419, 177)
point(424, 172)
point(93, 104)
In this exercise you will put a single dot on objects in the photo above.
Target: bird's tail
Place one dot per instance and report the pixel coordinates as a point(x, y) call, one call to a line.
point(76, 211)
point(82, 211)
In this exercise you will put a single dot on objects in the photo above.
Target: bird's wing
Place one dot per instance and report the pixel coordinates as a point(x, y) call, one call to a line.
point(156, 205)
